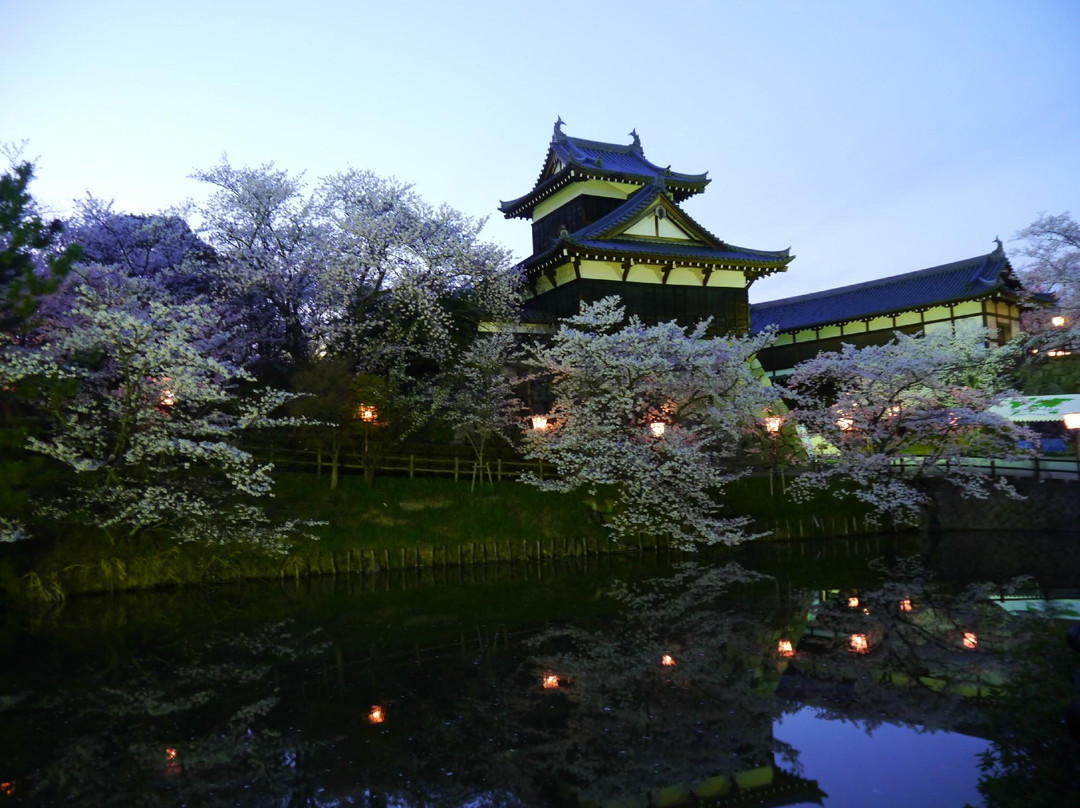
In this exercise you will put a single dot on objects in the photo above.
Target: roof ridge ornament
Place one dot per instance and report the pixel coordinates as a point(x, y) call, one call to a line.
point(1000, 246)
point(636, 145)
point(557, 133)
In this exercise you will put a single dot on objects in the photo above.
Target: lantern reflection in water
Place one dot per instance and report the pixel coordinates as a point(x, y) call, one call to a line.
point(859, 644)
point(667, 660)
point(785, 649)
point(970, 640)
point(551, 681)
point(172, 762)
point(376, 715)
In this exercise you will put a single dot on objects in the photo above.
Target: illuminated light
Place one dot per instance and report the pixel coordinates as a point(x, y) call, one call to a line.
point(551, 681)
point(905, 605)
point(172, 762)
point(785, 649)
point(368, 413)
point(858, 644)
point(1058, 352)
point(167, 398)
point(846, 424)
point(7, 788)
point(853, 602)
point(865, 610)
point(1071, 419)
point(539, 423)
point(376, 715)
point(170, 754)
point(657, 428)
point(667, 660)
point(970, 640)
point(1057, 321)
point(773, 423)
point(893, 411)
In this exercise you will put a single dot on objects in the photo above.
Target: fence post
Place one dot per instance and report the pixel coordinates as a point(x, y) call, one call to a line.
point(498, 469)
point(541, 470)
point(411, 457)
point(457, 460)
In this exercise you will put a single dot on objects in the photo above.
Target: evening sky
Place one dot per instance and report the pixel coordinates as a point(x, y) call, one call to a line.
point(872, 138)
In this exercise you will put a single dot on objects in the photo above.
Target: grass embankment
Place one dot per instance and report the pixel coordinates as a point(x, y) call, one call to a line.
point(394, 523)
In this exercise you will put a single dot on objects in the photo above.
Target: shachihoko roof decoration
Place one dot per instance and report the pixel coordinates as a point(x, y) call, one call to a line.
point(970, 279)
point(571, 159)
point(604, 240)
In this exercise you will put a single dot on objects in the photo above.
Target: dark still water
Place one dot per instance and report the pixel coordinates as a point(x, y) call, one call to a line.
point(844, 673)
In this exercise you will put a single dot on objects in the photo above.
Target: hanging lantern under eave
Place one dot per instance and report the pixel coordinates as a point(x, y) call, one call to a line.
point(539, 423)
point(785, 649)
point(657, 428)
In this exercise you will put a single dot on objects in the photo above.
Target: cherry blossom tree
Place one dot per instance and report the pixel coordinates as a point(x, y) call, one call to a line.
point(480, 403)
point(888, 417)
point(651, 418)
point(146, 417)
point(1052, 246)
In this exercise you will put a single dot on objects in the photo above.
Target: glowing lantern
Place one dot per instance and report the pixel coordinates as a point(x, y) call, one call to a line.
point(170, 754)
point(667, 660)
point(1057, 321)
point(367, 413)
point(773, 423)
point(551, 681)
point(7, 788)
point(845, 423)
point(657, 428)
point(376, 715)
point(905, 605)
point(539, 423)
point(1071, 419)
point(858, 644)
point(785, 649)
point(853, 602)
point(970, 641)
point(167, 398)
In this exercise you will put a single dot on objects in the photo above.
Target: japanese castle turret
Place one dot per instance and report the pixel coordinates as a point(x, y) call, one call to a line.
point(606, 221)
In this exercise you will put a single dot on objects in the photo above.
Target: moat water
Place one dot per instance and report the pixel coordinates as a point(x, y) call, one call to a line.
point(911, 662)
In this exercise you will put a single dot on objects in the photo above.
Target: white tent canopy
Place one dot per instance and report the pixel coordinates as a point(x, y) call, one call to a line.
point(1038, 408)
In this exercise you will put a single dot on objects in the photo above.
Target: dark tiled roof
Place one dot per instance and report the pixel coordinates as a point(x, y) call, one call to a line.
point(604, 236)
point(590, 159)
point(961, 280)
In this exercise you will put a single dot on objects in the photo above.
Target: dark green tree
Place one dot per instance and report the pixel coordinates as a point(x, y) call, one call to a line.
point(32, 259)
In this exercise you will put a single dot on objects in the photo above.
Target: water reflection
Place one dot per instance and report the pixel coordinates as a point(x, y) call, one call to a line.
point(449, 696)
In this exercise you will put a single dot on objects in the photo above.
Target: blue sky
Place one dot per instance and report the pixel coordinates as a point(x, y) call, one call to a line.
point(871, 138)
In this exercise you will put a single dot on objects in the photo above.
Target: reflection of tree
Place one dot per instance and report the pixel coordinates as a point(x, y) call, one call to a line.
point(159, 732)
point(917, 668)
point(622, 724)
point(1033, 760)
